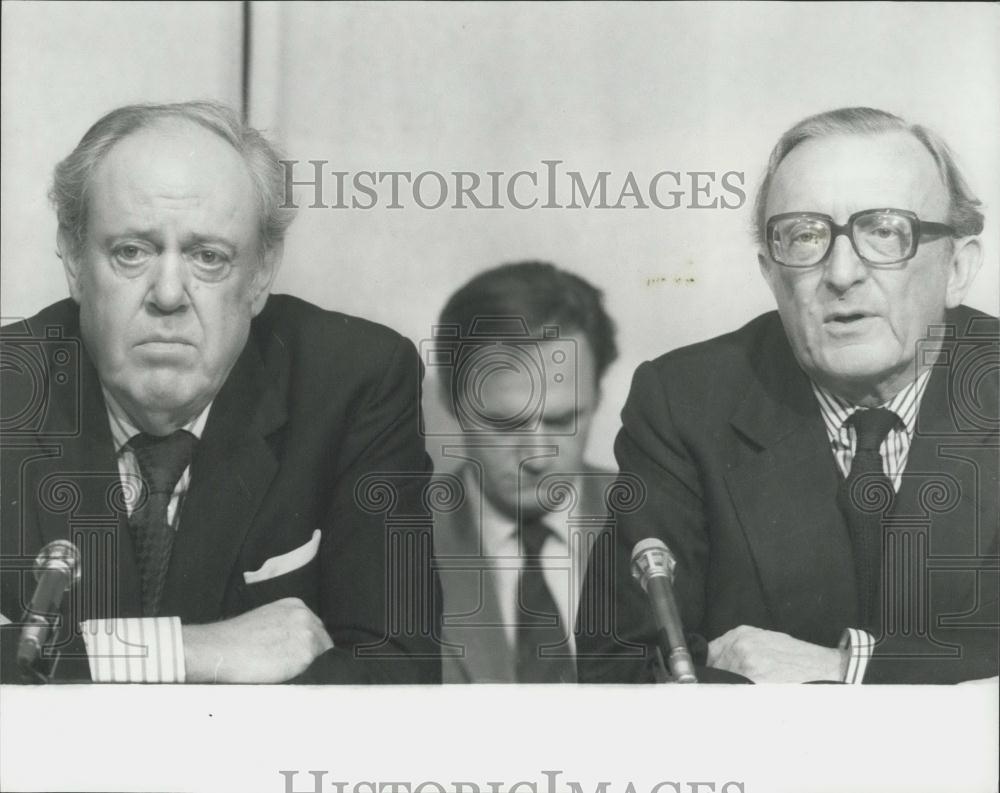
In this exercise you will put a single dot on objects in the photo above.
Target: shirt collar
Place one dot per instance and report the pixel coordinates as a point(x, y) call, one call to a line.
point(500, 529)
point(905, 404)
point(123, 430)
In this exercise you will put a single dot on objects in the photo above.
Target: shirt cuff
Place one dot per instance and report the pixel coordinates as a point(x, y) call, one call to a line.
point(859, 645)
point(135, 650)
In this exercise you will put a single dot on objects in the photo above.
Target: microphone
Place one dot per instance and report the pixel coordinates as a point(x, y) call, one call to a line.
point(653, 567)
point(57, 569)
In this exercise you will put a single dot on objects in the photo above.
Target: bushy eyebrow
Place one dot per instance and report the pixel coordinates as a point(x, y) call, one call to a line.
point(154, 236)
point(213, 239)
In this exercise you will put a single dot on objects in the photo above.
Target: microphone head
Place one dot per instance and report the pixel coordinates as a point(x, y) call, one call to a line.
point(59, 555)
point(650, 558)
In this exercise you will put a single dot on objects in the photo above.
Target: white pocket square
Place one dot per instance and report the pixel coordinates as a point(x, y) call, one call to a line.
point(286, 562)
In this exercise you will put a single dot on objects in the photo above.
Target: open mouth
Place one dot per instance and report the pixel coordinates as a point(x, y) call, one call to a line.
point(843, 316)
point(846, 319)
point(848, 322)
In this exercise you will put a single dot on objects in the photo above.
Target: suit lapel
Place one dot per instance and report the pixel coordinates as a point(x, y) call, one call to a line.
point(478, 650)
point(230, 474)
point(946, 467)
point(91, 512)
point(784, 493)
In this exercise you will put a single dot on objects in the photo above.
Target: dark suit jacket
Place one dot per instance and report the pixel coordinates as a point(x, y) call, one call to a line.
point(315, 425)
point(475, 644)
point(741, 485)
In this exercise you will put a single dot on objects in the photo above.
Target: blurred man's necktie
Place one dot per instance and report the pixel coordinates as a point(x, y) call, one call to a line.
point(542, 653)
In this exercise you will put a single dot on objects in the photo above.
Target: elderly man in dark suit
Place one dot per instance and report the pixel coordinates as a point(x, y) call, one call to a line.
point(826, 476)
point(218, 456)
point(520, 351)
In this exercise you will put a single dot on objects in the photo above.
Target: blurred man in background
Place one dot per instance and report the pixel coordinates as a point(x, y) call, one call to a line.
point(520, 352)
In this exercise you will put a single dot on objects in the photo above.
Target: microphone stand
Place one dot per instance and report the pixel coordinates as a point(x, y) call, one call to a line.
point(37, 661)
point(57, 569)
point(704, 674)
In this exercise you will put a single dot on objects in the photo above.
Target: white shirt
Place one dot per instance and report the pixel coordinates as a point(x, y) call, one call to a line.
point(563, 557)
point(122, 431)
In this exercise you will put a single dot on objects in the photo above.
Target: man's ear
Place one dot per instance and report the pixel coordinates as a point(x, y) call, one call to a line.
point(70, 262)
point(966, 260)
point(260, 287)
point(766, 270)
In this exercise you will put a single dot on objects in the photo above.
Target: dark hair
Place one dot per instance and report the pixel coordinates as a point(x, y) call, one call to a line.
point(964, 214)
point(540, 294)
point(71, 181)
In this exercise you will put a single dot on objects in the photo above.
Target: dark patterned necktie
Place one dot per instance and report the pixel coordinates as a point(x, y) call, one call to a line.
point(161, 461)
point(866, 496)
point(539, 626)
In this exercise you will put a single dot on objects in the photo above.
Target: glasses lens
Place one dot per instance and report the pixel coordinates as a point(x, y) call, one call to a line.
point(799, 241)
point(883, 237)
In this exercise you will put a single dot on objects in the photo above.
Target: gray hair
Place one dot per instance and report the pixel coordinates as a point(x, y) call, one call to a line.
point(963, 213)
point(71, 179)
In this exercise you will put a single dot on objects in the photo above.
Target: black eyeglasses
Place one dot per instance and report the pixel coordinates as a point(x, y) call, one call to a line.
point(879, 236)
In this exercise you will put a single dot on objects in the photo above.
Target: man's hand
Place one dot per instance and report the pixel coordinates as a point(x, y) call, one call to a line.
point(271, 644)
point(771, 657)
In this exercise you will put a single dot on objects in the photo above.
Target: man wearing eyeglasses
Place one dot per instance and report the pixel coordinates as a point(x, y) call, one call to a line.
point(826, 476)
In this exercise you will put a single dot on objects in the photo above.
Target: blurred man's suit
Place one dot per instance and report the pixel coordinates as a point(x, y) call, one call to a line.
point(478, 644)
point(728, 437)
point(316, 402)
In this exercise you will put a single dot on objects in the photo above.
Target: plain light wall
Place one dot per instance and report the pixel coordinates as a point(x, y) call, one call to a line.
point(612, 87)
point(479, 87)
point(64, 65)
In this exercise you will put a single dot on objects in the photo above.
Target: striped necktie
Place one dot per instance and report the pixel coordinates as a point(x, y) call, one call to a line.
point(161, 461)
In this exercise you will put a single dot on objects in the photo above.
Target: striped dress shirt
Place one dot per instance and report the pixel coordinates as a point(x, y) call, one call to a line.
point(895, 450)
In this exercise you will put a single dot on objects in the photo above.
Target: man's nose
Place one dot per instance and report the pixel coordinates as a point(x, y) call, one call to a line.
point(168, 291)
point(843, 267)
